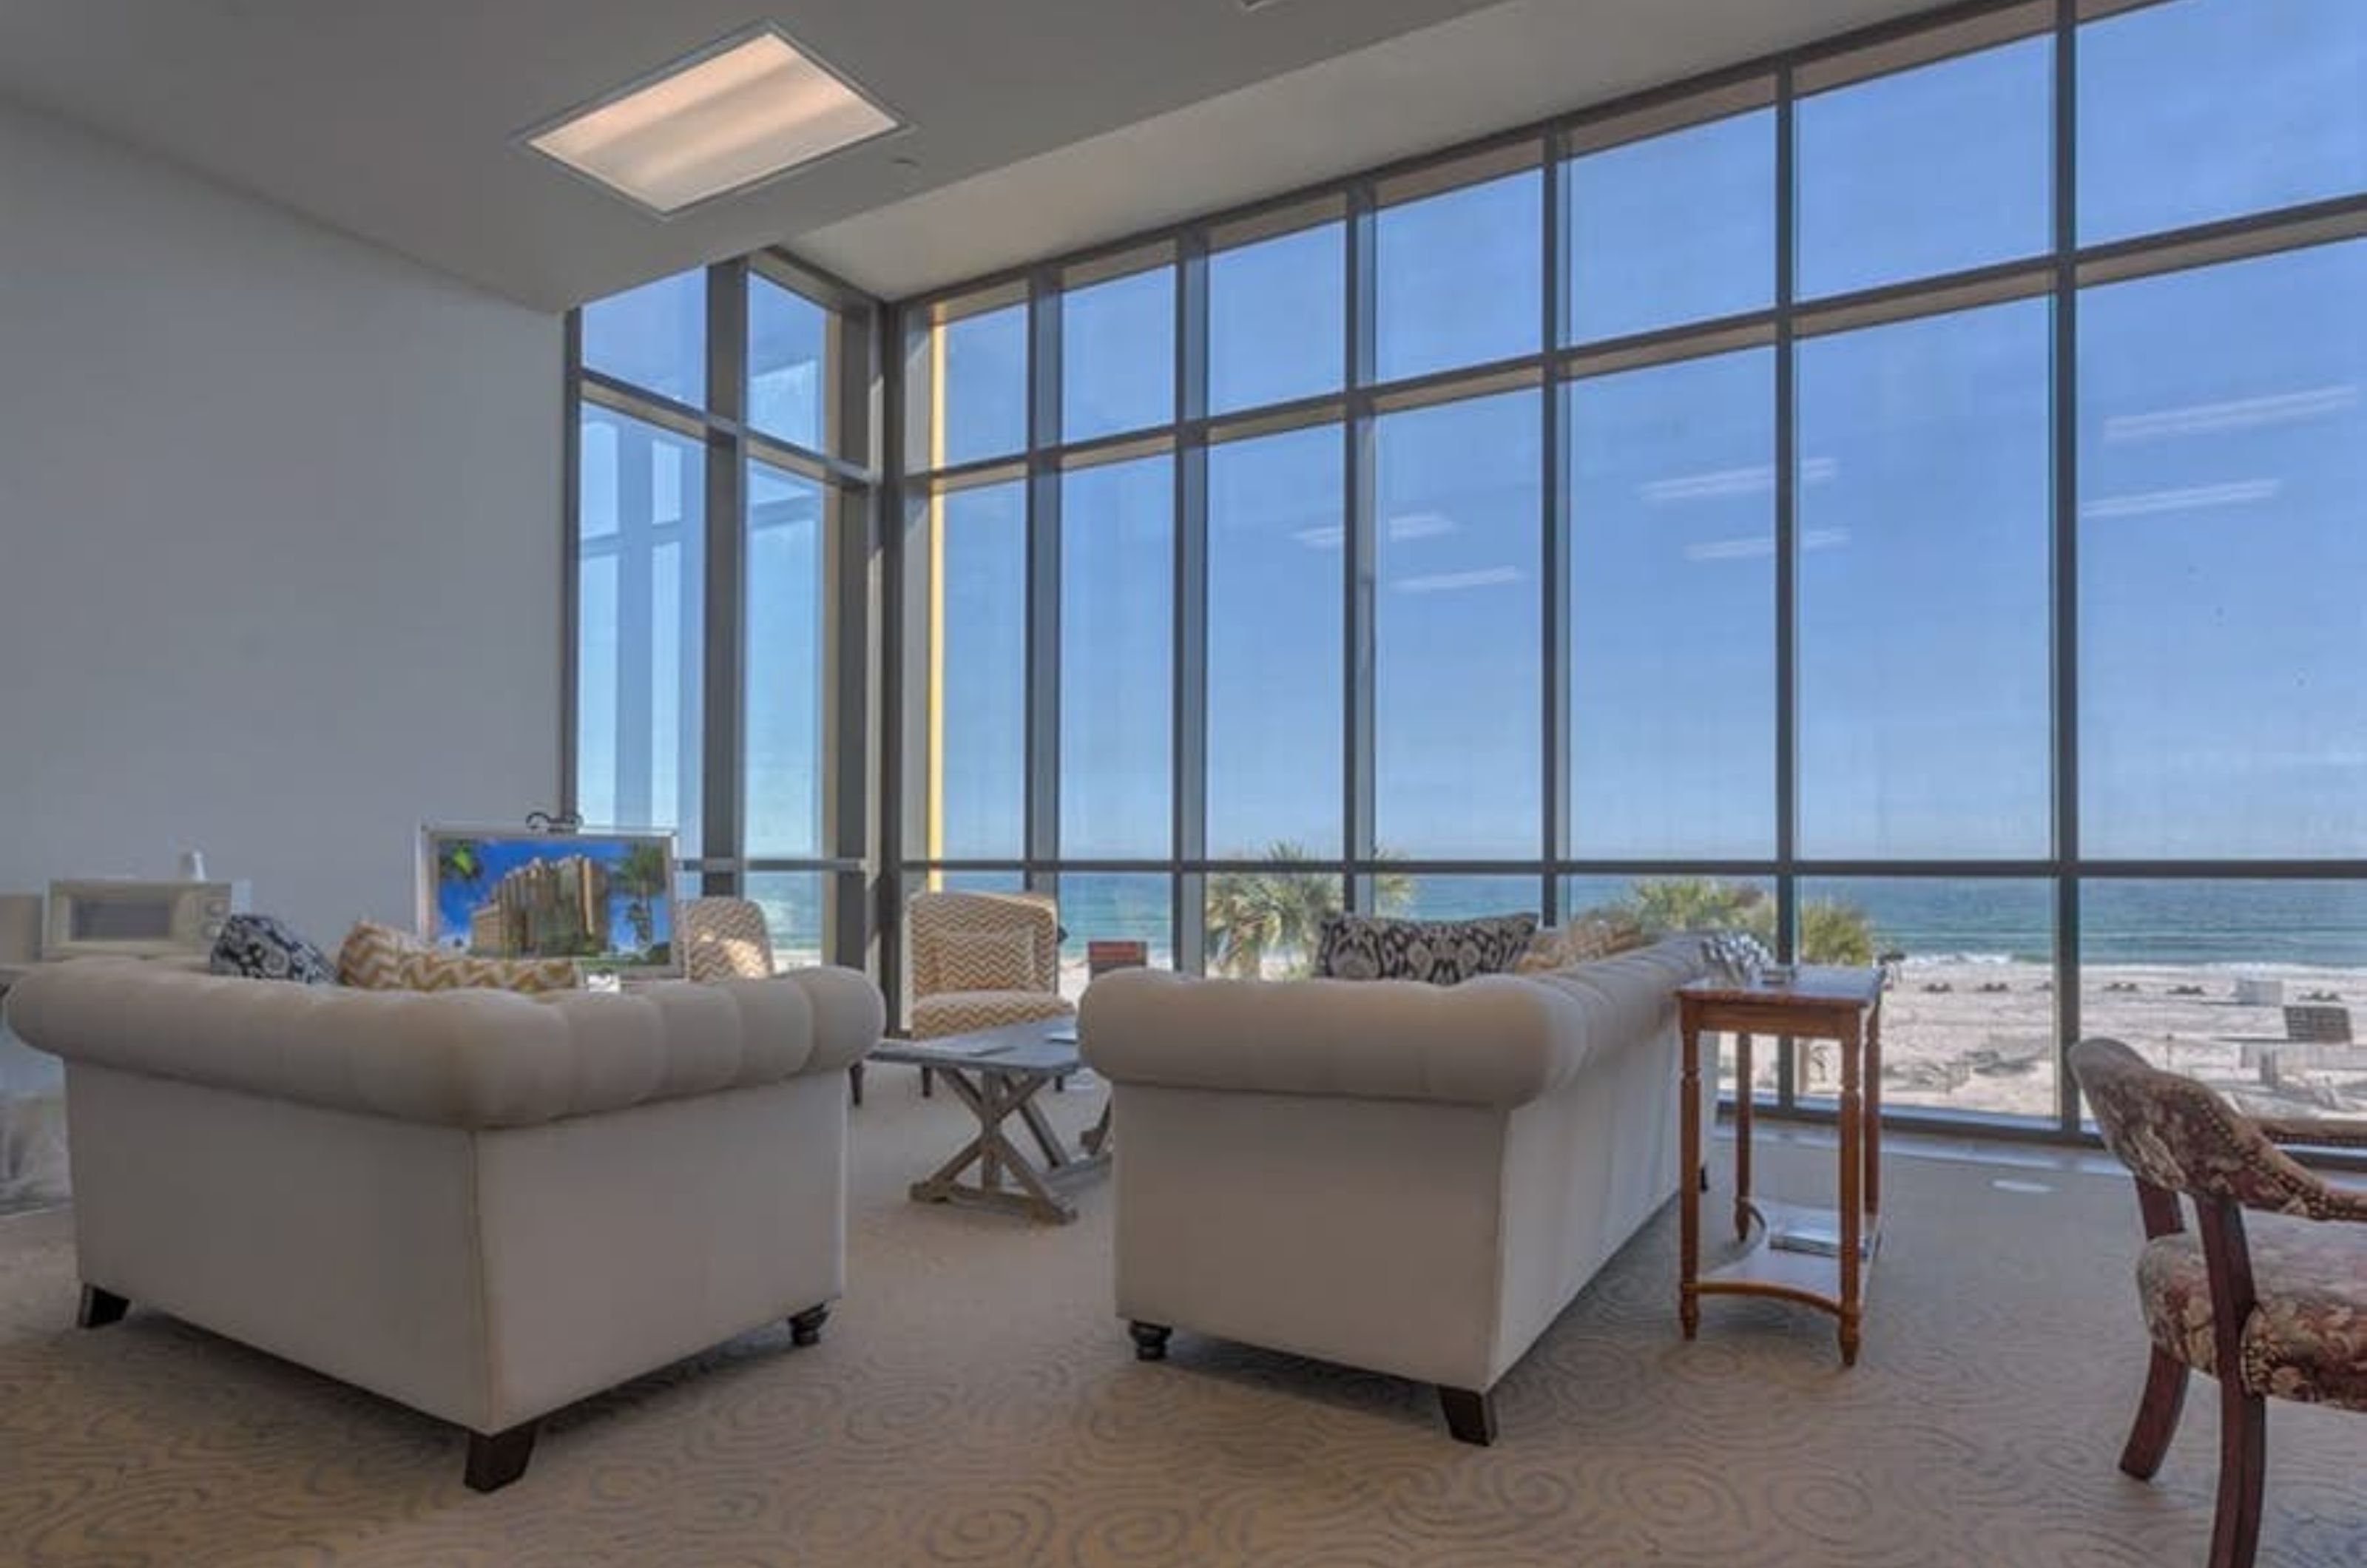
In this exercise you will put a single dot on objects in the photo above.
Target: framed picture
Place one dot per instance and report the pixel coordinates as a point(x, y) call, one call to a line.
point(605, 896)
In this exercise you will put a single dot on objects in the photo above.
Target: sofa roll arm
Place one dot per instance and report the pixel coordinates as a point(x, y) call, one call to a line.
point(1495, 1041)
point(476, 1058)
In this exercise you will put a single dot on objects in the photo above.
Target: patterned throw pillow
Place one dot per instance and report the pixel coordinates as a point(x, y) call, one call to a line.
point(986, 961)
point(262, 948)
point(372, 955)
point(1583, 940)
point(1444, 952)
point(425, 969)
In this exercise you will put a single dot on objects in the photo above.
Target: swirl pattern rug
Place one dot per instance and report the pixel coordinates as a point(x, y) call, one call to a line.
point(974, 1402)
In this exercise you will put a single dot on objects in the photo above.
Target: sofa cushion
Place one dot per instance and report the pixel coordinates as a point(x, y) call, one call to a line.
point(372, 957)
point(1443, 953)
point(425, 969)
point(261, 947)
point(986, 960)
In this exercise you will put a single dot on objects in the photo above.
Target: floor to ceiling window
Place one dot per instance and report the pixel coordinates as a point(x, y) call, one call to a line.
point(1902, 502)
point(1899, 500)
point(722, 514)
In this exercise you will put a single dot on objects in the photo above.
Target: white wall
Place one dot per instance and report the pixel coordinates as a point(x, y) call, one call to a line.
point(279, 539)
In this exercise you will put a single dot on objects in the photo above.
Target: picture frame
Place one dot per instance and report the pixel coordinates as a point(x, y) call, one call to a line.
point(605, 896)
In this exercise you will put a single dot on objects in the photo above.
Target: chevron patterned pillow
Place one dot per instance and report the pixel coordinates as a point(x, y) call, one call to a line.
point(426, 970)
point(372, 956)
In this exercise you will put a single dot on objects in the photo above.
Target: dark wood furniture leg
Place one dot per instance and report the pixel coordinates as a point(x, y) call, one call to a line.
point(99, 1308)
point(928, 1083)
point(1688, 1205)
point(805, 1328)
point(1853, 1188)
point(499, 1459)
point(2243, 1415)
point(1743, 1108)
point(2157, 1411)
point(1471, 1414)
point(1149, 1340)
point(855, 1082)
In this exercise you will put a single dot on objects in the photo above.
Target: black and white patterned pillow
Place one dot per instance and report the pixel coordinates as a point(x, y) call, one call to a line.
point(1444, 952)
point(262, 948)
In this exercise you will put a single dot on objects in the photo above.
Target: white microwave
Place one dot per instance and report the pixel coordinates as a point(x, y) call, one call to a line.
point(137, 919)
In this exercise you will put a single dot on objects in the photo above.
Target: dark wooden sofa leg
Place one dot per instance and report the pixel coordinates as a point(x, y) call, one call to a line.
point(1149, 1340)
point(928, 1083)
point(99, 1308)
point(2156, 1422)
point(498, 1459)
point(855, 1082)
point(1471, 1414)
point(805, 1328)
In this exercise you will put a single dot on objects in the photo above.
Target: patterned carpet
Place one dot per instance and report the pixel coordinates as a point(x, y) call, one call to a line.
point(974, 1403)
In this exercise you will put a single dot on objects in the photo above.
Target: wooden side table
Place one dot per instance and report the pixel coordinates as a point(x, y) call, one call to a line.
point(1816, 1256)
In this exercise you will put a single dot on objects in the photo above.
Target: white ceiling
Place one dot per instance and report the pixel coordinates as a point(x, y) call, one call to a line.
point(1036, 125)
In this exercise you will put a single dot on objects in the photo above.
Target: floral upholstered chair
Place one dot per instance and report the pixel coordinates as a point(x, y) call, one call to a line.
point(2280, 1310)
point(980, 961)
point(726, 939)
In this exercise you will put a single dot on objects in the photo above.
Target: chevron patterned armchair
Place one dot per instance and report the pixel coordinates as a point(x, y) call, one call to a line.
point(726, 939)
point(981, 960)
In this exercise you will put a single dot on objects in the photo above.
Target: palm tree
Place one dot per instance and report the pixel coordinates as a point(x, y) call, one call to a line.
point(640, 876)
point(1278, 909)
point(1830, 932)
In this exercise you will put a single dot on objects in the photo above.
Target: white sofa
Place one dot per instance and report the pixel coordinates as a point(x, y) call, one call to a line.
point(483, 1205)
point(1410, 1178)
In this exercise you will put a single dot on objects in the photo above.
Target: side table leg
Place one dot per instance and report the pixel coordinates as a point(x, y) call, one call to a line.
point(1742, 1108)
point(1874, 1111)
point(1852, 1131)
point(1688, 1149)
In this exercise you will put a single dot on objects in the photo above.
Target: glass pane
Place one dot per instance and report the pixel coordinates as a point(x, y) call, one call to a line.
point(978, 693)
point(980, 377)
point(2202, 109)
point(1117, 355)
point(2257, 988)
point(1275, 565)
point(2223, 452)
point(1263, 923)
point(1458, 277)
point(1117, 595)
point(1672, 229)
point(1969, 1022)
point(1457, 630)
point(1433, 898)
point(788, 363)
point(1114, 906)
point(1277, 313)
point(639, 644)
point(795, 905)
point(786, 665)
point(1946, 166)
point(1924, 599)
point(1673, 610)
point(653, 336)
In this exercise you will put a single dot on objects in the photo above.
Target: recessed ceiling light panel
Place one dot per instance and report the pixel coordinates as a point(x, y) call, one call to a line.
point(736, 113)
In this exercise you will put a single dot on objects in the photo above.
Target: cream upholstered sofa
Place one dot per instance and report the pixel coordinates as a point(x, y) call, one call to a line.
point(1411, 1179)
point(483, 1205)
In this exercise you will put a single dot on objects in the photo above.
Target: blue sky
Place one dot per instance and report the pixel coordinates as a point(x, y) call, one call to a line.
point(2221, 442)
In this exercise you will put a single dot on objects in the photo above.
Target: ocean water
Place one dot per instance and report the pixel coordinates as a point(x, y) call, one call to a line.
point(2259, 923)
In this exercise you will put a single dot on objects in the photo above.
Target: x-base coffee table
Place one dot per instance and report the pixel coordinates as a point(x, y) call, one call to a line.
point(998, 1074)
